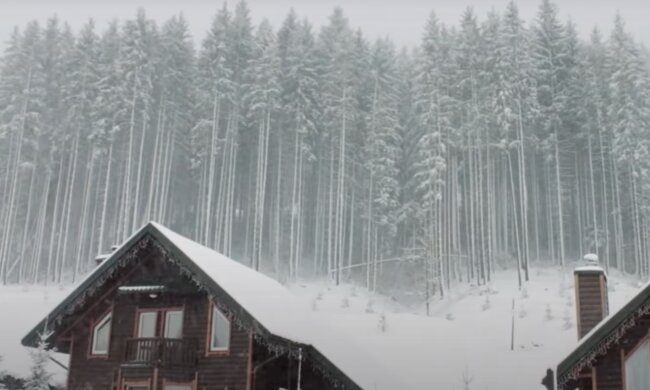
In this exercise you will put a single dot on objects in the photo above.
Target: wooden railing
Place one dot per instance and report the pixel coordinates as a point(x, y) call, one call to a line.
point(160, 352)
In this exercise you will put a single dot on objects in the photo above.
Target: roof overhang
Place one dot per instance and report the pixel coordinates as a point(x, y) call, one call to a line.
point(603, 338)
point(129, 250)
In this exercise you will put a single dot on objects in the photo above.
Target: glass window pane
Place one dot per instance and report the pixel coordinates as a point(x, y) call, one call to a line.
point(102, 335)
point(220, 331)
point(637, 369)
point(178, 387)
point(137, 388)
point(147, 324)
point(174, 324)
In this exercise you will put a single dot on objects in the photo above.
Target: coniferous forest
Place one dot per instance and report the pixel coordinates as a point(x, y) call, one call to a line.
point(494, 143)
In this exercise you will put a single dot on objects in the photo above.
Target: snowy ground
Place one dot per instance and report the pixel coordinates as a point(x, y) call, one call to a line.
point(466, 338)
point(22, 307)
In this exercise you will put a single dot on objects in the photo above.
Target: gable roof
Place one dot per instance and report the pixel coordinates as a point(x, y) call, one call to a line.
point(262, 304)
point(603, 336)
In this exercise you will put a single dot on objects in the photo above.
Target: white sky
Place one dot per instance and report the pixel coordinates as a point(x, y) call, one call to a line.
point(402, 20)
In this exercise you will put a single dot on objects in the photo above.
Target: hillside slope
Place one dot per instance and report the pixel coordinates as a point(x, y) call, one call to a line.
point(465, 341)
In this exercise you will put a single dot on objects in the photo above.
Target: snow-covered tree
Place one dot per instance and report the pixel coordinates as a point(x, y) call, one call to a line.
point(39, 378)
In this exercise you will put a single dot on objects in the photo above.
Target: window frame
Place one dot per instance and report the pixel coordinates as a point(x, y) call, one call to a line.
point(161, 320)
point(175, 383)
point(626, 355)
point(210, 350)
point(166, 319)
point(106, 318)
point(138, 325)
point(140, 383)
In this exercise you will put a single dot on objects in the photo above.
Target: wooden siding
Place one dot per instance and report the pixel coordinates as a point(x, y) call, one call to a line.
point(609, 368)
point(230, 370)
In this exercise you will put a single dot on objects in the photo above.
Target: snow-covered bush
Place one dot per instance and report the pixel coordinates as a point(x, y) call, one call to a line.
point(345, 303)
point(467, 379)
point(549, 314)
point(2, 374)
point(450, 316)
point(569, 301)
point(369, 306)
point(383, 326)
point(568, 322)
point(486, 304)
point(39, 378)
point(353, 291)
point(522, 311)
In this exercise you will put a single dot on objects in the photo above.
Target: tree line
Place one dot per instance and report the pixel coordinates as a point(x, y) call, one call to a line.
point(493, 143)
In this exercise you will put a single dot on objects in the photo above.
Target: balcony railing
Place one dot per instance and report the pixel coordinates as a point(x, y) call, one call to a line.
point(160, 352)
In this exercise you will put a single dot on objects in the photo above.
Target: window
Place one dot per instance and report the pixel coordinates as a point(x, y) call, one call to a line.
point(147, 324)
point(637, 368)
point(174, 324)
point(178, 387)
point(139, 385)
point(220, 331)
point(101, 336)
point(167, 323)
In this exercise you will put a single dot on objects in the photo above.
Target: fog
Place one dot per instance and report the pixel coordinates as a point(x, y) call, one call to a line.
point(401, 20)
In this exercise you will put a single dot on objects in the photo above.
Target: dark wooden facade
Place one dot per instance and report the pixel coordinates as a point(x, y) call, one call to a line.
point(598, 361)
point(254, 360)
point(607, 370)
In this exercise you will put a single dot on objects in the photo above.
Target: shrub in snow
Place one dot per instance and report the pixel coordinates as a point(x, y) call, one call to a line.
point(569, 302)
point(524, 292)
point(319, 297)
point(2, 375)
point(369, 308)
point(353, 291)
point(486, 304)
point(39, 378)
point(522, 311)
point(549, 313)
point(345, 303)
point(382, 323)
point(467, 380)
point(568, 322)
point(450, 316)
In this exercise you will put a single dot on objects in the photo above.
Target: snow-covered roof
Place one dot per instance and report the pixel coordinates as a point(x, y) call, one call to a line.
point(603, 336)
point(278, 310)
point(267, 301)
point(589, 268)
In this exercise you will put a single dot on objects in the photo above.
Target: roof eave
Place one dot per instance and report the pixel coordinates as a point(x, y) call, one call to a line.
point(602, 331)
point(32, 337)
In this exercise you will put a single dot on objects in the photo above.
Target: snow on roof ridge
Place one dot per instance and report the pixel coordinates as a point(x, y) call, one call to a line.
point(278, 310)
point(589, 268)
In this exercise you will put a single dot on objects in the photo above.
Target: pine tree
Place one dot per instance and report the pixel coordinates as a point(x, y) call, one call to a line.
point(39, 378)
point(549, 52)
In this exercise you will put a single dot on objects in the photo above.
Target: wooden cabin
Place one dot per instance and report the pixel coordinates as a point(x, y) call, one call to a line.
point(613, 352)
point(165, 313)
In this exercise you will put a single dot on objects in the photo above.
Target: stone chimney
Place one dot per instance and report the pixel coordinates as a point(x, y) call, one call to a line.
point(591, 295)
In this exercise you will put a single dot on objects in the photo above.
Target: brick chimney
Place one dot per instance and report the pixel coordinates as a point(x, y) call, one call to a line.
point(591, 295)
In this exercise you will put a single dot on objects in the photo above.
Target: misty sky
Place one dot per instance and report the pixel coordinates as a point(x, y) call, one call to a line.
point(402, 20)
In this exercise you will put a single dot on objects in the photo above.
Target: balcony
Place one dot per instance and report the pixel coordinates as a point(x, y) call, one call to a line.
point(160, 352)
